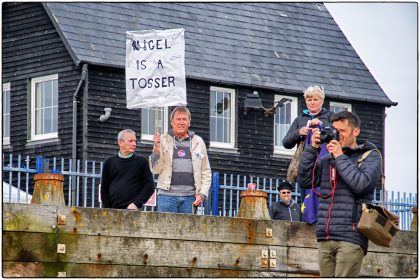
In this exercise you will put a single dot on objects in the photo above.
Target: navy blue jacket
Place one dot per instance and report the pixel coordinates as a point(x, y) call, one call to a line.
point(338, 214)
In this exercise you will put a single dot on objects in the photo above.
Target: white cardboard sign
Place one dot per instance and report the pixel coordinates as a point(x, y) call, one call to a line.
point(155, 68)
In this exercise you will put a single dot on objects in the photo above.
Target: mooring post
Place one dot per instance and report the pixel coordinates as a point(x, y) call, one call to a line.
point(254, 205)
point(48, 189)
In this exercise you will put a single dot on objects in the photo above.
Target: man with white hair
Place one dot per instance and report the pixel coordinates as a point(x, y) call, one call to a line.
point(127, 182)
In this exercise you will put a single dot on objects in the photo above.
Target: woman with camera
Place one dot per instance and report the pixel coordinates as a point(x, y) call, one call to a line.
point(312, 116)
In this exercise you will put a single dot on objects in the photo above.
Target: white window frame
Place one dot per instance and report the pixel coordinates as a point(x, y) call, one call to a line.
point(232, 130)
point(293, 114)
point(6, 89)
point(342, 105)
point(45, 136)
point(149, 137)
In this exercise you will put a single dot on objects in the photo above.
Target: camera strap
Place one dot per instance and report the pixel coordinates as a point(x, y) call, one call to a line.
point(333, 181)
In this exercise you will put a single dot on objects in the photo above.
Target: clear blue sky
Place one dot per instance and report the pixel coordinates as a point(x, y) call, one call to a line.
point(385, 37)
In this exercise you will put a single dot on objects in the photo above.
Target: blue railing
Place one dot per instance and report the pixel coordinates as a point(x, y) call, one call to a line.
point(82, 180)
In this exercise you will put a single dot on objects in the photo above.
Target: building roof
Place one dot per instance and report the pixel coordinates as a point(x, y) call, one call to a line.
point(280, 46)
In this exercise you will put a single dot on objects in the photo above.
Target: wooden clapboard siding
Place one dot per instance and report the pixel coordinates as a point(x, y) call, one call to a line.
point(119, 243)
point(32, 47)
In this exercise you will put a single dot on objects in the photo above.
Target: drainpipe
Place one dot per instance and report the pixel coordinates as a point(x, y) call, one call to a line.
point(74, 136)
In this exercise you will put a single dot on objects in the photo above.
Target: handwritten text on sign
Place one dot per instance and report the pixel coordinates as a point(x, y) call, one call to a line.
point(155, 68)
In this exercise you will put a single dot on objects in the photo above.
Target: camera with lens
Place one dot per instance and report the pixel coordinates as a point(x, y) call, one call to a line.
point(328, 134)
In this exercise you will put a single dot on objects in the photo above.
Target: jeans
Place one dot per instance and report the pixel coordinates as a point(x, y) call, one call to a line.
point(175, 204)
point(339, 258)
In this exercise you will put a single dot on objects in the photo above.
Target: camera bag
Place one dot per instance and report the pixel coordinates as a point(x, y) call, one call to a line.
point(377, 223)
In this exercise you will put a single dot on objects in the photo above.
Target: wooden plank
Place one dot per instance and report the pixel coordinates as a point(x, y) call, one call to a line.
point(111, 222)
point(30, 269)
point(26, 246)
point(160, 252)
point(389, 265)
point(303, 235)
point(30, 218)
point(36, 269)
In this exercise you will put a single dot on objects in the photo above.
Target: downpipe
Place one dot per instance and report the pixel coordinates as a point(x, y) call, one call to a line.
point(74, 134)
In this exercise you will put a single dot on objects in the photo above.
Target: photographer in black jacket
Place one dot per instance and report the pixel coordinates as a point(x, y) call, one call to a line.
point(344, 184)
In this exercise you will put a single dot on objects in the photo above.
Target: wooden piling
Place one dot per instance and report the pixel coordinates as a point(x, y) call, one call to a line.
point(254, 205)
point(48, 189)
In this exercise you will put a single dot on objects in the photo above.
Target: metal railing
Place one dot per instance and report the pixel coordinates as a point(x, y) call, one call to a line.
point(82, 188)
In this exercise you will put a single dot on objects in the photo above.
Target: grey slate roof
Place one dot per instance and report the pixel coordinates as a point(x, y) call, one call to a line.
point(280, 46)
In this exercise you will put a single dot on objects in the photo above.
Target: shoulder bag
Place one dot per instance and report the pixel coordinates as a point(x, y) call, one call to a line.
point(377, 223)
point(292, 171)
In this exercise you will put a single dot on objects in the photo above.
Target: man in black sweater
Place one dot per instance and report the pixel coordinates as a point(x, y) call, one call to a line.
point(127, 182)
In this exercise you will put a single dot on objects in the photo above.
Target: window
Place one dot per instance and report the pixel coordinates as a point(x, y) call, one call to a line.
point(283, 118)
point(222, 118)
point(336, 107)
point(6, 114)
point(151, 118)
point(44, 107)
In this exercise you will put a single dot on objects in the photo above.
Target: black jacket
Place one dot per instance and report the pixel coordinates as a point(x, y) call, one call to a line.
point(293, 137)
point(125, 181)
point(280, 211)
point(338, 214)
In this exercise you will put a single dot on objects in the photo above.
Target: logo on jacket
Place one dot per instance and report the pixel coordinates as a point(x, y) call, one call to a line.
point(181, 153)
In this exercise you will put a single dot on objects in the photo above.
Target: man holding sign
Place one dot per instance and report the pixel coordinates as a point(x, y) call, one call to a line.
point(180, 158)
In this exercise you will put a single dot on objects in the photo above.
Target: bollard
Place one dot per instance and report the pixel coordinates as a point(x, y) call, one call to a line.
point(414, 221)
point(48, 189)
point(254, 205)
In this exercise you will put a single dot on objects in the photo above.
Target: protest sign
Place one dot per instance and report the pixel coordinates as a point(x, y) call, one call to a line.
point(155, 68)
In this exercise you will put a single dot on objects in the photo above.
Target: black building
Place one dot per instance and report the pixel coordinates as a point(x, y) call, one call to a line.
point(63, 63)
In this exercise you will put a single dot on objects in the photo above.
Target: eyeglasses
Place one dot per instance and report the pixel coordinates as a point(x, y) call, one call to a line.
point(285, 192)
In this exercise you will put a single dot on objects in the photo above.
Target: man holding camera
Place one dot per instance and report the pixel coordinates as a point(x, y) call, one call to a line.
point(344, 185)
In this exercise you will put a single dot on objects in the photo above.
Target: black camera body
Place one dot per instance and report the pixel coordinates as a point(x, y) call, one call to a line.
point(328, 134)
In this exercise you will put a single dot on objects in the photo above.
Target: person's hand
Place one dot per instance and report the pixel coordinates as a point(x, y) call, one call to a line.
point(315, 140)
point(304, 130)
point(314, 122)
point(334, 148)
point(198, 200)
point(132, 206)
point(156, 141)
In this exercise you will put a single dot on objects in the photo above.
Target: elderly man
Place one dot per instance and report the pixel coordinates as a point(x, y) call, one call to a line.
point(286, 208)
point(180, 158)
point(127, 182)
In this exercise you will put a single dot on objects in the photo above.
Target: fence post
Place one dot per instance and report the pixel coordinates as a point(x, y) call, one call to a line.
point(215, 193)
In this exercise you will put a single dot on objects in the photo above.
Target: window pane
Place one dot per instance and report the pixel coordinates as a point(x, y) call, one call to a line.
point(39, 96)
point(149, 120)
point(282, 123)
point(55, 119)
point(48, 120)
point(6, 112)
point(220, 117)
point(48, 94)
point(38, 121)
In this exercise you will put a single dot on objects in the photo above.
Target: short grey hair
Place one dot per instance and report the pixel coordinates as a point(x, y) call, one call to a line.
point(314, 91)
point(124, 131)
point(181, 109)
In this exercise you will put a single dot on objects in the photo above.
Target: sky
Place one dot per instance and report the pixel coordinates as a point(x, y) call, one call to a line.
point(385, 35)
